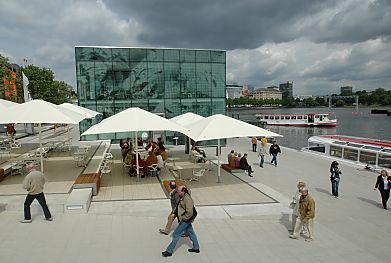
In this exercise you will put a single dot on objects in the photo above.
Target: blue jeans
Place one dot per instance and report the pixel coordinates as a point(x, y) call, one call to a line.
point(274, 159)
point(262, 160)
point(177, 234)
point(334, 186)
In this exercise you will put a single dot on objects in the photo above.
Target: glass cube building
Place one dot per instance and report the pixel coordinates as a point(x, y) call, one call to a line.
point(167, 82)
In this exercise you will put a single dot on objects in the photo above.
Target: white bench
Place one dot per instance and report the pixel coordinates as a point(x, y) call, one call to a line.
point(78, 201)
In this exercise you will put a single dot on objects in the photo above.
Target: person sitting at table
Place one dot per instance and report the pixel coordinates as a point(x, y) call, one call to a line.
point(197, 156)
point(160, 143)
point(142, 166)
point(198, 150)
point(237, 160)
point(160, 162)
point(140, 142)
point(164, 154)
point(151, 159)
point(230, 155)
point(124, 150)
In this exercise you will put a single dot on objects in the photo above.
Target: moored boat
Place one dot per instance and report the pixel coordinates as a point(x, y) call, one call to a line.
point(370, 152)
point(305, 120)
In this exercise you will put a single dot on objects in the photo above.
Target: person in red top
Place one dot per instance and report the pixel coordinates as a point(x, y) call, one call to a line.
point(143, 168)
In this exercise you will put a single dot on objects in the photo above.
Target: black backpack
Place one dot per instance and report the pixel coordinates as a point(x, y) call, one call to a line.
point(194, 214)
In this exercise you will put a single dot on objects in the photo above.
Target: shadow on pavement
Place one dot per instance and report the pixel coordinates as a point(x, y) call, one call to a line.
point(369, 201)
point(284, 220)
point(321, 190)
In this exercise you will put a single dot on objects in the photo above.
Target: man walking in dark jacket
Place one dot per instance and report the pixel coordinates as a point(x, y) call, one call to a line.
point(273, 151)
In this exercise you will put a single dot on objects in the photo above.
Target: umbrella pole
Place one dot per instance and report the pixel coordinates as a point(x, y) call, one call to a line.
point(69, 139)
point(40, 145)
point(189, 148)
point(218, 160)
point(138, 172)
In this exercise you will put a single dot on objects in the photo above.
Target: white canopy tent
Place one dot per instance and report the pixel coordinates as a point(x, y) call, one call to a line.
point(7, 103)
point(40, 111)
point(90, 114)
point(221, 127)
point(134, 120)
point(185, 120)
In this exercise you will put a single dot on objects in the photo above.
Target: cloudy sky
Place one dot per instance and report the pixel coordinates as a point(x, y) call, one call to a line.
point(320, 45)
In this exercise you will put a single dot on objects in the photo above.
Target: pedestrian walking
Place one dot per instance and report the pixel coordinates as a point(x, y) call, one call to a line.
point(273, 151)
point(174, 198)
point(34, 183)
point(186, 215)
point(335, 177)
point(383, 183)
point(261, 155)
point(254, 142)
point(306, 215)
point(295, 204)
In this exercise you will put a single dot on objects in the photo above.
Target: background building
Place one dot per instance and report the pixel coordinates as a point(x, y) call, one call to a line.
point(167, 82)
point(234, 91)
point(268, 93)
point(346, 90)
point(287, 90)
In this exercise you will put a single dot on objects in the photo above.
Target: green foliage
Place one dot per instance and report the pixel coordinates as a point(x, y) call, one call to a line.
point(339, 103)
point(41, 83)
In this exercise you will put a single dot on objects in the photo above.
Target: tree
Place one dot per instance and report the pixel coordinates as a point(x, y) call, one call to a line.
point(339, 103)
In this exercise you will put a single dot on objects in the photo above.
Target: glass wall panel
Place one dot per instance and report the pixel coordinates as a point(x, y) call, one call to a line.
point(204, 107)
point(218, 56)
point(120, 54)
point(188, 80)
point(172, 87)
point(141, 103)
point(155, 55)
point(171, 55)
point(85, 80)
point(104, 80)
point(138, 54)
point(187, 55)
point(155, 86)
point(172, 108)
point(139, 80)
point(156, 106)
point(204, 80)
point(218, 80)
point(122, 79)
point(202, 56)
point(188, 105)
point(102, 54)
point(218, 106)
point(84, 53)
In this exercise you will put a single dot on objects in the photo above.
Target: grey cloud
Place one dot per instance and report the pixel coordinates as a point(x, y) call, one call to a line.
point(225, 24)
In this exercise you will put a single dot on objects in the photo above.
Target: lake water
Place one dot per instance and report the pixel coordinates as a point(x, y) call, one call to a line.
point(363, 125)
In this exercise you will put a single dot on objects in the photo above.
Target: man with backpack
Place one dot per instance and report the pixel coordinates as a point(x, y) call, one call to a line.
point(186, 215)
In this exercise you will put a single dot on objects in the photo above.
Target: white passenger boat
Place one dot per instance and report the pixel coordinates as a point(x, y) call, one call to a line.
point(370, 152)
point(305, 120)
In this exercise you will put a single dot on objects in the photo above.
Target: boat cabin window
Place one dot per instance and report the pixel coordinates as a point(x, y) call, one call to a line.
point(339, 142)
point(277, 117)
point(372, 148)
point(266, 117)
point(272, 117)
point(385, 159)
point(282, 117)
point(355, 145)
point(305, 117)
point(317, 147)
point(350, 154)
point(287, 117)
point(336, 151)
point(367, 157)
point(299, 117)
point(293, 117)
point(386, 150)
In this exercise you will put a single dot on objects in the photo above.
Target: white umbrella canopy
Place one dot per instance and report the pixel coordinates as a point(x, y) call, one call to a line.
point(221, 127)
point(134, 120)
point(89, 113)
point(187, 118)
point(7, 103)
point(40, 111)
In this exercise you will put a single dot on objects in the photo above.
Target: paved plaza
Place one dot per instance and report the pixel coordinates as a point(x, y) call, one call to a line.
point(353, 228)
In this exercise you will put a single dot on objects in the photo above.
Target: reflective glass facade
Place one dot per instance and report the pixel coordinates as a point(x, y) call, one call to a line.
point(164, 81)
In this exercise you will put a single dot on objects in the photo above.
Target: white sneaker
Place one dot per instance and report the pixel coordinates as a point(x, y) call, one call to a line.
point(26, 221)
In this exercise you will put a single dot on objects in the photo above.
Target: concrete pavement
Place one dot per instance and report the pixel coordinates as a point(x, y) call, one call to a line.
point(353, 228)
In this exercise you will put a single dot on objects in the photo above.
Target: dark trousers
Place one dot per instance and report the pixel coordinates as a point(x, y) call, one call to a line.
point(334, 186)
point(255, 147)
point(385, 194)
point(41, 200)
point(248, 168)
point(274, 159)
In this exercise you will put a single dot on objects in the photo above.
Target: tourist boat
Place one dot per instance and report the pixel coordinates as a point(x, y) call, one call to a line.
point(312, 119)
point(370, 152)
